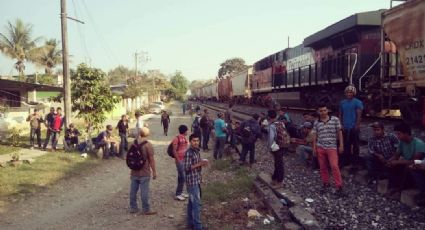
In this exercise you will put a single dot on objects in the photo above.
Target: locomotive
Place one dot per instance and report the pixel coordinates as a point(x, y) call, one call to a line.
point(379, 52)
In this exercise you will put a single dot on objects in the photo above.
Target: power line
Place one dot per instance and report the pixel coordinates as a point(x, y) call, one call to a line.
point(81, 34)
point(103, 42)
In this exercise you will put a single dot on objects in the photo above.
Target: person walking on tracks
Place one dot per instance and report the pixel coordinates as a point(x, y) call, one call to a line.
point(350, 110)
point(206, 126)
point(328, 133)
point(220, 136)
point(277, 135)
point(165, 121)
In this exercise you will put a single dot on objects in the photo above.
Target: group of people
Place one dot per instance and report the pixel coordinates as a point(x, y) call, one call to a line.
point(53, 121)
point(189, 164)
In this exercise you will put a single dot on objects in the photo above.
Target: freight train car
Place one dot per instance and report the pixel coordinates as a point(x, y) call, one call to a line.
point(225, 89)
point(240, 86)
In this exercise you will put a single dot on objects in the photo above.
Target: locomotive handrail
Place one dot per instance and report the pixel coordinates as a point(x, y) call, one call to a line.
point(354, 67)
point(367, 71)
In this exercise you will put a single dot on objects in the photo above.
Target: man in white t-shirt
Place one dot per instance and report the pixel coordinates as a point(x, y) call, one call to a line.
point(140, 123)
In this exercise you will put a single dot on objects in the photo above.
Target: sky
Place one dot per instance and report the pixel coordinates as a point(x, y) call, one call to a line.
point(192, 36)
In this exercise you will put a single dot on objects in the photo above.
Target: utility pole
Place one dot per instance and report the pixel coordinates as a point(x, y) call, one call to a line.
point(135, 64)
point(66, 77)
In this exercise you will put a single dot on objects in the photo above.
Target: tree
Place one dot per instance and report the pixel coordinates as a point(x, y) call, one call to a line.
point(48, 56)
point(91, 96)
point(180, 85)
point(120, 75)
point(230, 66)
point(17, 43)
point(196, 84)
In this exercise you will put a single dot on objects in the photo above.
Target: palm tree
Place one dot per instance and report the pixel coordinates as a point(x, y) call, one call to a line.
point(16, 43)
point(47, 56)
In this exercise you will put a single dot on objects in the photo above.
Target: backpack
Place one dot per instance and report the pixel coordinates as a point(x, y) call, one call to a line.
point(170, 148)
point(135, 159)
point(204, 122)
point(195, 124)
point(282, 137)
point(247, 134)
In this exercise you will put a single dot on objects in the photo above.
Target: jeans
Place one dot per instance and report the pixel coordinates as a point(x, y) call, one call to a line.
point(143, 183)
point(165, 127)
point(123, 144)
point(180, 178)
point(70, 142)
point(248, 148)
point(194, 207)
point(219, 147)
point(54, 135)
point(108, 148)
point(304, 152)
point(419, 177)
point(329, 157)
point(205, 138)
point(34, 132)
point(351, 147)
point(278, 165)
point(375, 167)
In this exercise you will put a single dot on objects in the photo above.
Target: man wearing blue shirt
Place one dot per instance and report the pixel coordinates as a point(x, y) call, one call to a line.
point(350, 112)
point(220, 136)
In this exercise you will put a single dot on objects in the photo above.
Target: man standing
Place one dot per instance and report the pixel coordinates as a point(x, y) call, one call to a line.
point(165, 120)
point(205, 124)
point(49, 121)
point(141, 178)
point(220, 136)
point(350, 113)
point(193, 166)
point(179, 148)
point(381, 148)
point(249, 131)
point(184, 108)
point(35, 121)
point(328, 133)
point(123, 131)
point(277, 177)
point(196, 125)
point(56, 127)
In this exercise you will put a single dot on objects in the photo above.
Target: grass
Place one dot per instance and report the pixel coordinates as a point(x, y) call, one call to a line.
point(42, 95)
point(5, 149)
point(44, 172)
point(239, 186)
point(221, 165)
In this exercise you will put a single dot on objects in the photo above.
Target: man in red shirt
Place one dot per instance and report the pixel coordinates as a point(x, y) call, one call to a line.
point(180, 145)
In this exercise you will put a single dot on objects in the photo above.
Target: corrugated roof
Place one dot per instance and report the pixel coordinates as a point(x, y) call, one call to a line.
point(370, 18)
point(4, 83)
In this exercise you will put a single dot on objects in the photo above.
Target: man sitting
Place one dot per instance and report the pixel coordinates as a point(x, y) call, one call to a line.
point(107, 142)
point(304, 147)
point(381, 148)
point(409, 149)
point(71, 137)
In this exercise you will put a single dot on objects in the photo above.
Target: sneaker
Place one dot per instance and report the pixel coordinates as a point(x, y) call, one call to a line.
point(180, 198)
point(185, 195)
point(149, 213)
point(134, 210)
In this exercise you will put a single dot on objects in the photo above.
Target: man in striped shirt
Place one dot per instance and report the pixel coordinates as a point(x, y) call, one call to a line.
point(328, 134)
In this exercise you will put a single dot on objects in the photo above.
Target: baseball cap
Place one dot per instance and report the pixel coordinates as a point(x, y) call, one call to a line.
point(308, 125)
point(377, 124)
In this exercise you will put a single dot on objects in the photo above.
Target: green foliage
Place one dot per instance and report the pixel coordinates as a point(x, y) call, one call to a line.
point(47, 56)
point(230, 66)
point(120, 75)
point(16, 43)
point(15, 136)
point(46, 79)
point(91, 96)
point(180, 86)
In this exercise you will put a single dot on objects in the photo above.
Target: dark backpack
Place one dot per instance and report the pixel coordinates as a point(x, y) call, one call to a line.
point(170, 148)
point(204, 122)
point(195, 124)
point(135, 159)
point(247, 134)
point(282, 136)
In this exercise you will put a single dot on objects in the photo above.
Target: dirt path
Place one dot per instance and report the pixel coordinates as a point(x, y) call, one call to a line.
point(99, 199)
